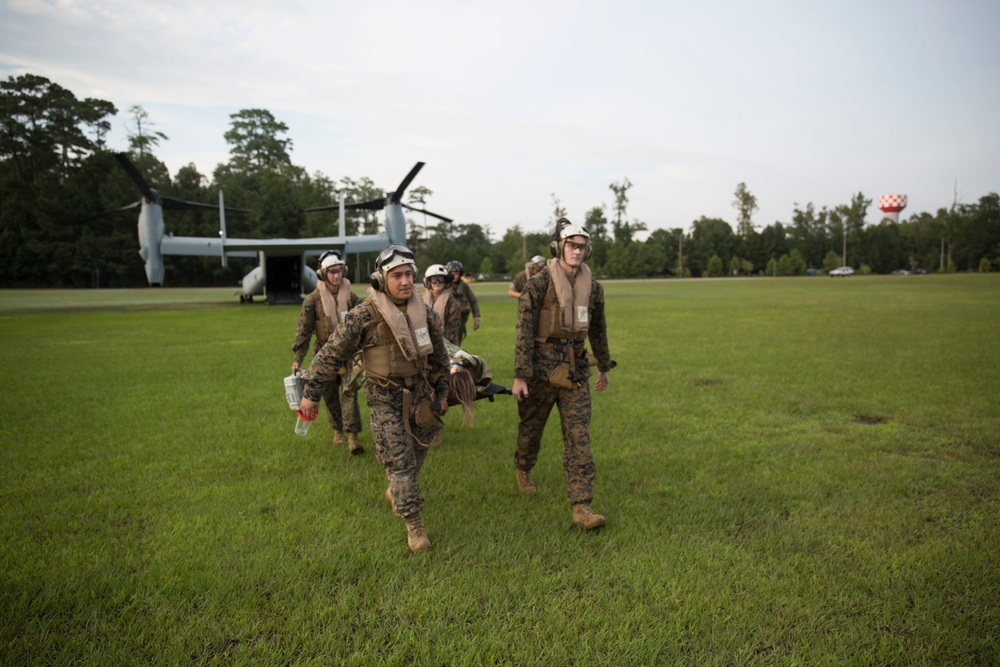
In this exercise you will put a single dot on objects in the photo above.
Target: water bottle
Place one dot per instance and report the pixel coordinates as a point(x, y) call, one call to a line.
point(303, 423)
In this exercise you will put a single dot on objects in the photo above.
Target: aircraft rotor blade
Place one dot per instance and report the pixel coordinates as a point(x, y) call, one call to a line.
point(373, 205)
point(127, 207)
point(397, 196)
point(420, 210)
point(172, 203)
point(136, 177)
point(328, 207)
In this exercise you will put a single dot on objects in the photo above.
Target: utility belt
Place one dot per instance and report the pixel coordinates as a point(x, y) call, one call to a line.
point(424, 415)
point(386, 381)
point(558, 343)
point(572, 371)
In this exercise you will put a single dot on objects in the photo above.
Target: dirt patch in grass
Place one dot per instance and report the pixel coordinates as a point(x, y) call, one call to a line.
point(870, 420)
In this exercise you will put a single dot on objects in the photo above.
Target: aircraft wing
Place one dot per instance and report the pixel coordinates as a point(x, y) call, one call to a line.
point(206, 246)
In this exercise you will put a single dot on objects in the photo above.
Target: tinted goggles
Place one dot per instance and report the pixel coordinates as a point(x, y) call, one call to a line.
point(391, 251)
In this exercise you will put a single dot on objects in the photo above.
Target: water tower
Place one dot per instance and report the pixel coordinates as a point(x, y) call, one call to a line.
point(891, 205)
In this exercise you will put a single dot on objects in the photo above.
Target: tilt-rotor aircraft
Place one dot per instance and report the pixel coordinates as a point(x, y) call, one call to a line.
point(282, 275)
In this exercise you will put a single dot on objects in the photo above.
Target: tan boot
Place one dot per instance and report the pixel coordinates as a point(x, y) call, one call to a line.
point(353, 446)
point(338, 438)
point(524, 482)
point(416, 536)
point(586, 518)
point(388, 497)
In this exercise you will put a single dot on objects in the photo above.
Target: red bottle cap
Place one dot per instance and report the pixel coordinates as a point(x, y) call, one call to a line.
point(305, 417)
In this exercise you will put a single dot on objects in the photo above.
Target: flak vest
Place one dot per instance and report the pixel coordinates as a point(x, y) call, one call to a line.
point(323, 329)
point(549, 328)
point(385, 360)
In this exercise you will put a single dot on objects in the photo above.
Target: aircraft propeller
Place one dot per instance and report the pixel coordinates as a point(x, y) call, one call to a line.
point(153, 195)
point(391, 198)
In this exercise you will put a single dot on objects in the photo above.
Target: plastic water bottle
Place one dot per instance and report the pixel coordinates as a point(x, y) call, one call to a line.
point(303, 423)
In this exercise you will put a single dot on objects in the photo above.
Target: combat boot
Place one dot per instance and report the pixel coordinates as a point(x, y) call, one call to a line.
point(524, 482)
point(338, 438)
point(388, 497)
point(586, 518)
point(416, 535)
point(353, 446)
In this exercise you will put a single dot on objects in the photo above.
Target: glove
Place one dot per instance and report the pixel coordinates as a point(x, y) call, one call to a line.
point(475, 323)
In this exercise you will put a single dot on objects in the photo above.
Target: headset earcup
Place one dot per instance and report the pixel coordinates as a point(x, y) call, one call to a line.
point(554, 248)
point(376, 280)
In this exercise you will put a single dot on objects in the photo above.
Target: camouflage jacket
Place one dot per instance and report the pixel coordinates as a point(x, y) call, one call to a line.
point(466, 298)
point(347, 339)
point(520, 282)
point(452, 323)
point(532, 361)
point(311, 309)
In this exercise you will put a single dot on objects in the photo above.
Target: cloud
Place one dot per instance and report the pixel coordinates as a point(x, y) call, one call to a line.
point(509, 103)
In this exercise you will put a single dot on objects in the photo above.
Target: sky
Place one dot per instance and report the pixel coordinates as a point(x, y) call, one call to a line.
point(515, 104)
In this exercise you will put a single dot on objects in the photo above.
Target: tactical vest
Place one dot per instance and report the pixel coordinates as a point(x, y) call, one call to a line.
point(323, 330)
point(549, 327)
point(380, 353)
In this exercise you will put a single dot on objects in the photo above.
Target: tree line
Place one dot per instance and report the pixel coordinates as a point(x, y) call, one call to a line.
point(58, 175)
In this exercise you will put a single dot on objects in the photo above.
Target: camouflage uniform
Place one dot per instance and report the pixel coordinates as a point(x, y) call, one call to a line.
point(401, 457)
point(520, 282)
point(342, 408)
point(452, 322)
point(534, 363)
point(467, 302)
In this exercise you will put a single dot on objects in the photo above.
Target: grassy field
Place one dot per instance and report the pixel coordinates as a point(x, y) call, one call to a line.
point(794, 471)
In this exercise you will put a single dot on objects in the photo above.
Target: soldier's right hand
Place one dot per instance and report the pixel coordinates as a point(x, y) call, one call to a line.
point(308, 408)
point(296, 367)
point(520, 389)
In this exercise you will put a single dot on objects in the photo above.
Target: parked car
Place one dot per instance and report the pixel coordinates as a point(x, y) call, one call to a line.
point(900, 272)
point(842, 271)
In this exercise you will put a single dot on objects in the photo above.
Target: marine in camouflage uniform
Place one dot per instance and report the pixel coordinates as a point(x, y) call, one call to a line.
point(400, 448)
point(466, 298)
point(451, 322)
point(518, 284)
point(520, 281)
point(534, 363)
point(343, 411)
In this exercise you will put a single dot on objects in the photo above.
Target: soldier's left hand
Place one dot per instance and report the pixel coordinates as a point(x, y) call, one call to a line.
point(602, 381)
point(475, 323)
point(442, 407)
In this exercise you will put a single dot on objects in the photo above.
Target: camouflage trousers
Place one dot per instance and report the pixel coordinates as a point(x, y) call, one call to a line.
point(397, 451)
point(342, 408)
point(574, 417)
point(463, 331)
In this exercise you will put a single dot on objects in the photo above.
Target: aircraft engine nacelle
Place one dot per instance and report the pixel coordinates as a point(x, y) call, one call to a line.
point(253, 282)
point(309, 279)
point(395, 224)
point(150, 233)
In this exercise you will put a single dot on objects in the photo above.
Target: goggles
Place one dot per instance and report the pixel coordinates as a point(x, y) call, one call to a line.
point(330, 258)
point(393, 256)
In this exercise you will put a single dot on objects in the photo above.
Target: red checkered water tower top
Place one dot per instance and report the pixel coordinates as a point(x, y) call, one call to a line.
point(891, 205)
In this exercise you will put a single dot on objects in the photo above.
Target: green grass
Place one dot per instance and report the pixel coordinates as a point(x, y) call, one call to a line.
point(794, 471)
